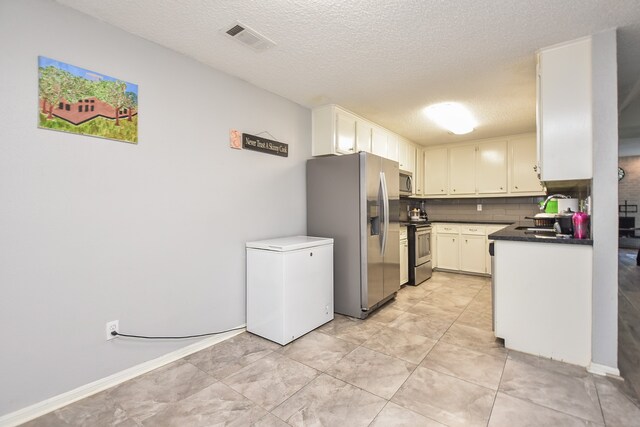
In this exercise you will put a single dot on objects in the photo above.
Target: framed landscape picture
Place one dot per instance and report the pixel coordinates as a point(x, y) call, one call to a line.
point(72, 99)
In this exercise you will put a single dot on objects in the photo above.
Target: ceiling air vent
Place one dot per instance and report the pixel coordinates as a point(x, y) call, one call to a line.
point(248, 37)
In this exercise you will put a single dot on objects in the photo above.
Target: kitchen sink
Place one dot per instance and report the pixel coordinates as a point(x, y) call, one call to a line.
point(543, 234)
point(540, 233)
point(536, 229)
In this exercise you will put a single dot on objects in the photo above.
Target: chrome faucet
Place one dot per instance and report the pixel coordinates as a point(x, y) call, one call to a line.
point(543, 206)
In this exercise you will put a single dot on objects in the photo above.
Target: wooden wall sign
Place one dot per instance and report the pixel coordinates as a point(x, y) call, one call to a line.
point(256, 143)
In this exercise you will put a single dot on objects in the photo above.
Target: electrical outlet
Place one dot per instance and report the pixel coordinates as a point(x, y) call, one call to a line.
point(479, 207)
point(112, 326)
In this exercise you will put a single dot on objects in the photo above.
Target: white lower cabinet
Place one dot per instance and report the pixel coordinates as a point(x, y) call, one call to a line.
point(448, 251)
point(434, 248)
point(472, 253)
point(448, 246)
point(404, 256)
point(544, 311)
point(463, 247)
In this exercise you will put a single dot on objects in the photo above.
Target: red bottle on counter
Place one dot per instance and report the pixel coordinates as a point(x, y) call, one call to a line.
point(580, 225)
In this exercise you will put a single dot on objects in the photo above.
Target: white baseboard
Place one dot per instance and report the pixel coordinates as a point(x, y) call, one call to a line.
point(597, 369)
point(36, 410)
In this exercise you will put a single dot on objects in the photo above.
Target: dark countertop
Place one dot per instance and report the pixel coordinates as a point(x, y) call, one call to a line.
point(510, 233)
point(406, 223)
point(457, 221)
point(479, 221)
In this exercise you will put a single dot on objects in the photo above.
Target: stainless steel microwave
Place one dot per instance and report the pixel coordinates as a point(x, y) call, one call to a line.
point(406, 183)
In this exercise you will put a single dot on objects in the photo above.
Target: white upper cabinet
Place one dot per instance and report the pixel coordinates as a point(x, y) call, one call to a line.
point(333, 131)
point(337, 131)
point(491, 167)
point(435, 172)
point(392, 146)
point(345, 133)
point(407, 156)
point(522, 166)
point(379, 142)
point(363, 136)
point(565, 111)
point(487, 168)
point(418, 176)
point(462, 170)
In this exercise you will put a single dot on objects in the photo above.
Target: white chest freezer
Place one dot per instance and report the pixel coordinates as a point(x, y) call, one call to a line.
point(289, 286)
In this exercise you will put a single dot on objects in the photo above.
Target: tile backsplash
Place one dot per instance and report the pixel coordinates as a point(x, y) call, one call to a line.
point(512, 209)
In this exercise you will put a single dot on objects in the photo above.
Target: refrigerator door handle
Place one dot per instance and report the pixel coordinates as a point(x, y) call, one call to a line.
point(385, 208)
point(382, 214)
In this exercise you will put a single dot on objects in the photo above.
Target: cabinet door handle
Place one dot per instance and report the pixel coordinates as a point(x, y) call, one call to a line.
point(501, 188)
point(310, 253)
point(516, 187)
point(454, 190)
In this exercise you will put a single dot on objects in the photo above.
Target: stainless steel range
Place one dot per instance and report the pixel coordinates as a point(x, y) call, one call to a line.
point(420, 262)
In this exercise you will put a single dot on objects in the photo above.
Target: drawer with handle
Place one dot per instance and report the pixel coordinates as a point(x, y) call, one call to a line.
point(447, 229)
point(473, 229)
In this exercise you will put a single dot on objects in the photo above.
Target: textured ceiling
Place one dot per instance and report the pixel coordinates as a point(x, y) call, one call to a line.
point(387, 59)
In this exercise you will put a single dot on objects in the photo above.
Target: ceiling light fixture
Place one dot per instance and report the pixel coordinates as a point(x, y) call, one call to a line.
point(452, 116)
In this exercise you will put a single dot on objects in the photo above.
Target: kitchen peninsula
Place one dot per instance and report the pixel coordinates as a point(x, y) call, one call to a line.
point(543, 294)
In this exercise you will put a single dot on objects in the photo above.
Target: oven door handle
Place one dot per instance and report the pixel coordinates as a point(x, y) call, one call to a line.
point(422, 258)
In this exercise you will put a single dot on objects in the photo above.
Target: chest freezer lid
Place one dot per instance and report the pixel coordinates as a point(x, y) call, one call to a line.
point(292, 243)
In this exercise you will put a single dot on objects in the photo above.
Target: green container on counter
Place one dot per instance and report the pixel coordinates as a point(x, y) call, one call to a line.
point(552, 206)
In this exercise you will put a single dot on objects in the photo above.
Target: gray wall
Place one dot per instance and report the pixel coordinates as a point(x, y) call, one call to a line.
point(604, 218)
point(152, 234)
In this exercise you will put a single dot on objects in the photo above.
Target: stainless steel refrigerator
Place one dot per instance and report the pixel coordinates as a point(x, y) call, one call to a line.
point(354, 199)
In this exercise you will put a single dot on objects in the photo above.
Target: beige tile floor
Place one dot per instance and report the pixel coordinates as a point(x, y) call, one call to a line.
point(428, 358)
point(629, 317)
